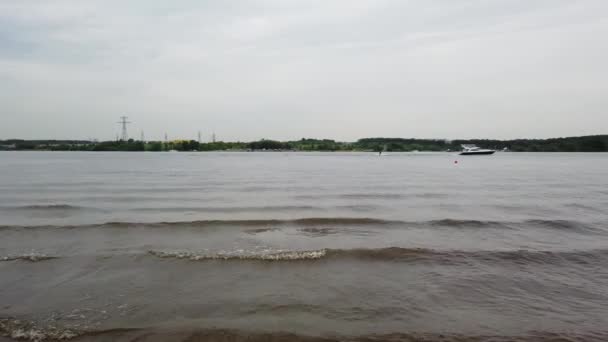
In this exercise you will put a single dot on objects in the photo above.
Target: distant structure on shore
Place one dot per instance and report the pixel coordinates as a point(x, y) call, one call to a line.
point(123, 121)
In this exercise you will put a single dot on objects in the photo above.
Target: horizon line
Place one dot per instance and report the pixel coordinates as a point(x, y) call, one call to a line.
point(305, 138)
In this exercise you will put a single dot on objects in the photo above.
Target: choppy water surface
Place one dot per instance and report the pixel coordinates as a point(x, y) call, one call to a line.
point(303, 246)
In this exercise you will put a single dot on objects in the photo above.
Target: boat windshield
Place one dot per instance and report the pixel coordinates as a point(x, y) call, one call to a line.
point(470, 147)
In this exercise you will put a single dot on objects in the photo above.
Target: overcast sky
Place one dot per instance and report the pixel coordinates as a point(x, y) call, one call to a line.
point(283, 69)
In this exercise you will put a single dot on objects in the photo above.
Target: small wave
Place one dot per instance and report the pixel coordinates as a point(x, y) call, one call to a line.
point(582, 206)
point(229, 209)
point(28, 331)
point(190, 334)
point(371, 196)
point(276, 256)
point(465, 223)
point(431, 195)
point(318, 231)
point(388, 253)
point(260, 230)
point(357, 207)
point(253, 223)
point(460, 256)
point(558, 224)
point(41, 207)
point(212, 223)
point(33, 257)
point(342, 221)
point(573, 226)
point(327, 222)
point(401, 254)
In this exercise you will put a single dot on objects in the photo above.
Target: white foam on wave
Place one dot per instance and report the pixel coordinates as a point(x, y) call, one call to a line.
point(33, 257)
point(240, 255)
point(28, 331)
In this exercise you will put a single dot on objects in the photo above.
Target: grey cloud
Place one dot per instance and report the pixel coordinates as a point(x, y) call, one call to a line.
point(289, 69)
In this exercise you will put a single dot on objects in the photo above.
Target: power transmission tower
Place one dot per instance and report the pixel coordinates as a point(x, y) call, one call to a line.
point(199, 137)
point(123, 121)
point(213, 137)
point(143, 138)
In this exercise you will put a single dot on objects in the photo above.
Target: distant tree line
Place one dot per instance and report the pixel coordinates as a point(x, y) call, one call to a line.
point(593, 143)
point(404, 145)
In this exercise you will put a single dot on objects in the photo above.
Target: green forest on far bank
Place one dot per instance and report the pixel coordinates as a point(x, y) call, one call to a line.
point(592, 143)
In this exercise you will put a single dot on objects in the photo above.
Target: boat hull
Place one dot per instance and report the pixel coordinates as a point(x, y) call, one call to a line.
point(473, 153)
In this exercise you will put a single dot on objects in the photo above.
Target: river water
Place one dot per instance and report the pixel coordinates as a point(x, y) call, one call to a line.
point(303, 246)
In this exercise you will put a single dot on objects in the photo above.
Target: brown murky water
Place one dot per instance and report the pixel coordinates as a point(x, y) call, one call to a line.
point(303, 246)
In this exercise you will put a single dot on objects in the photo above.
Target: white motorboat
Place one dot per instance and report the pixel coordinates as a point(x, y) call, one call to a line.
point(469, 149)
